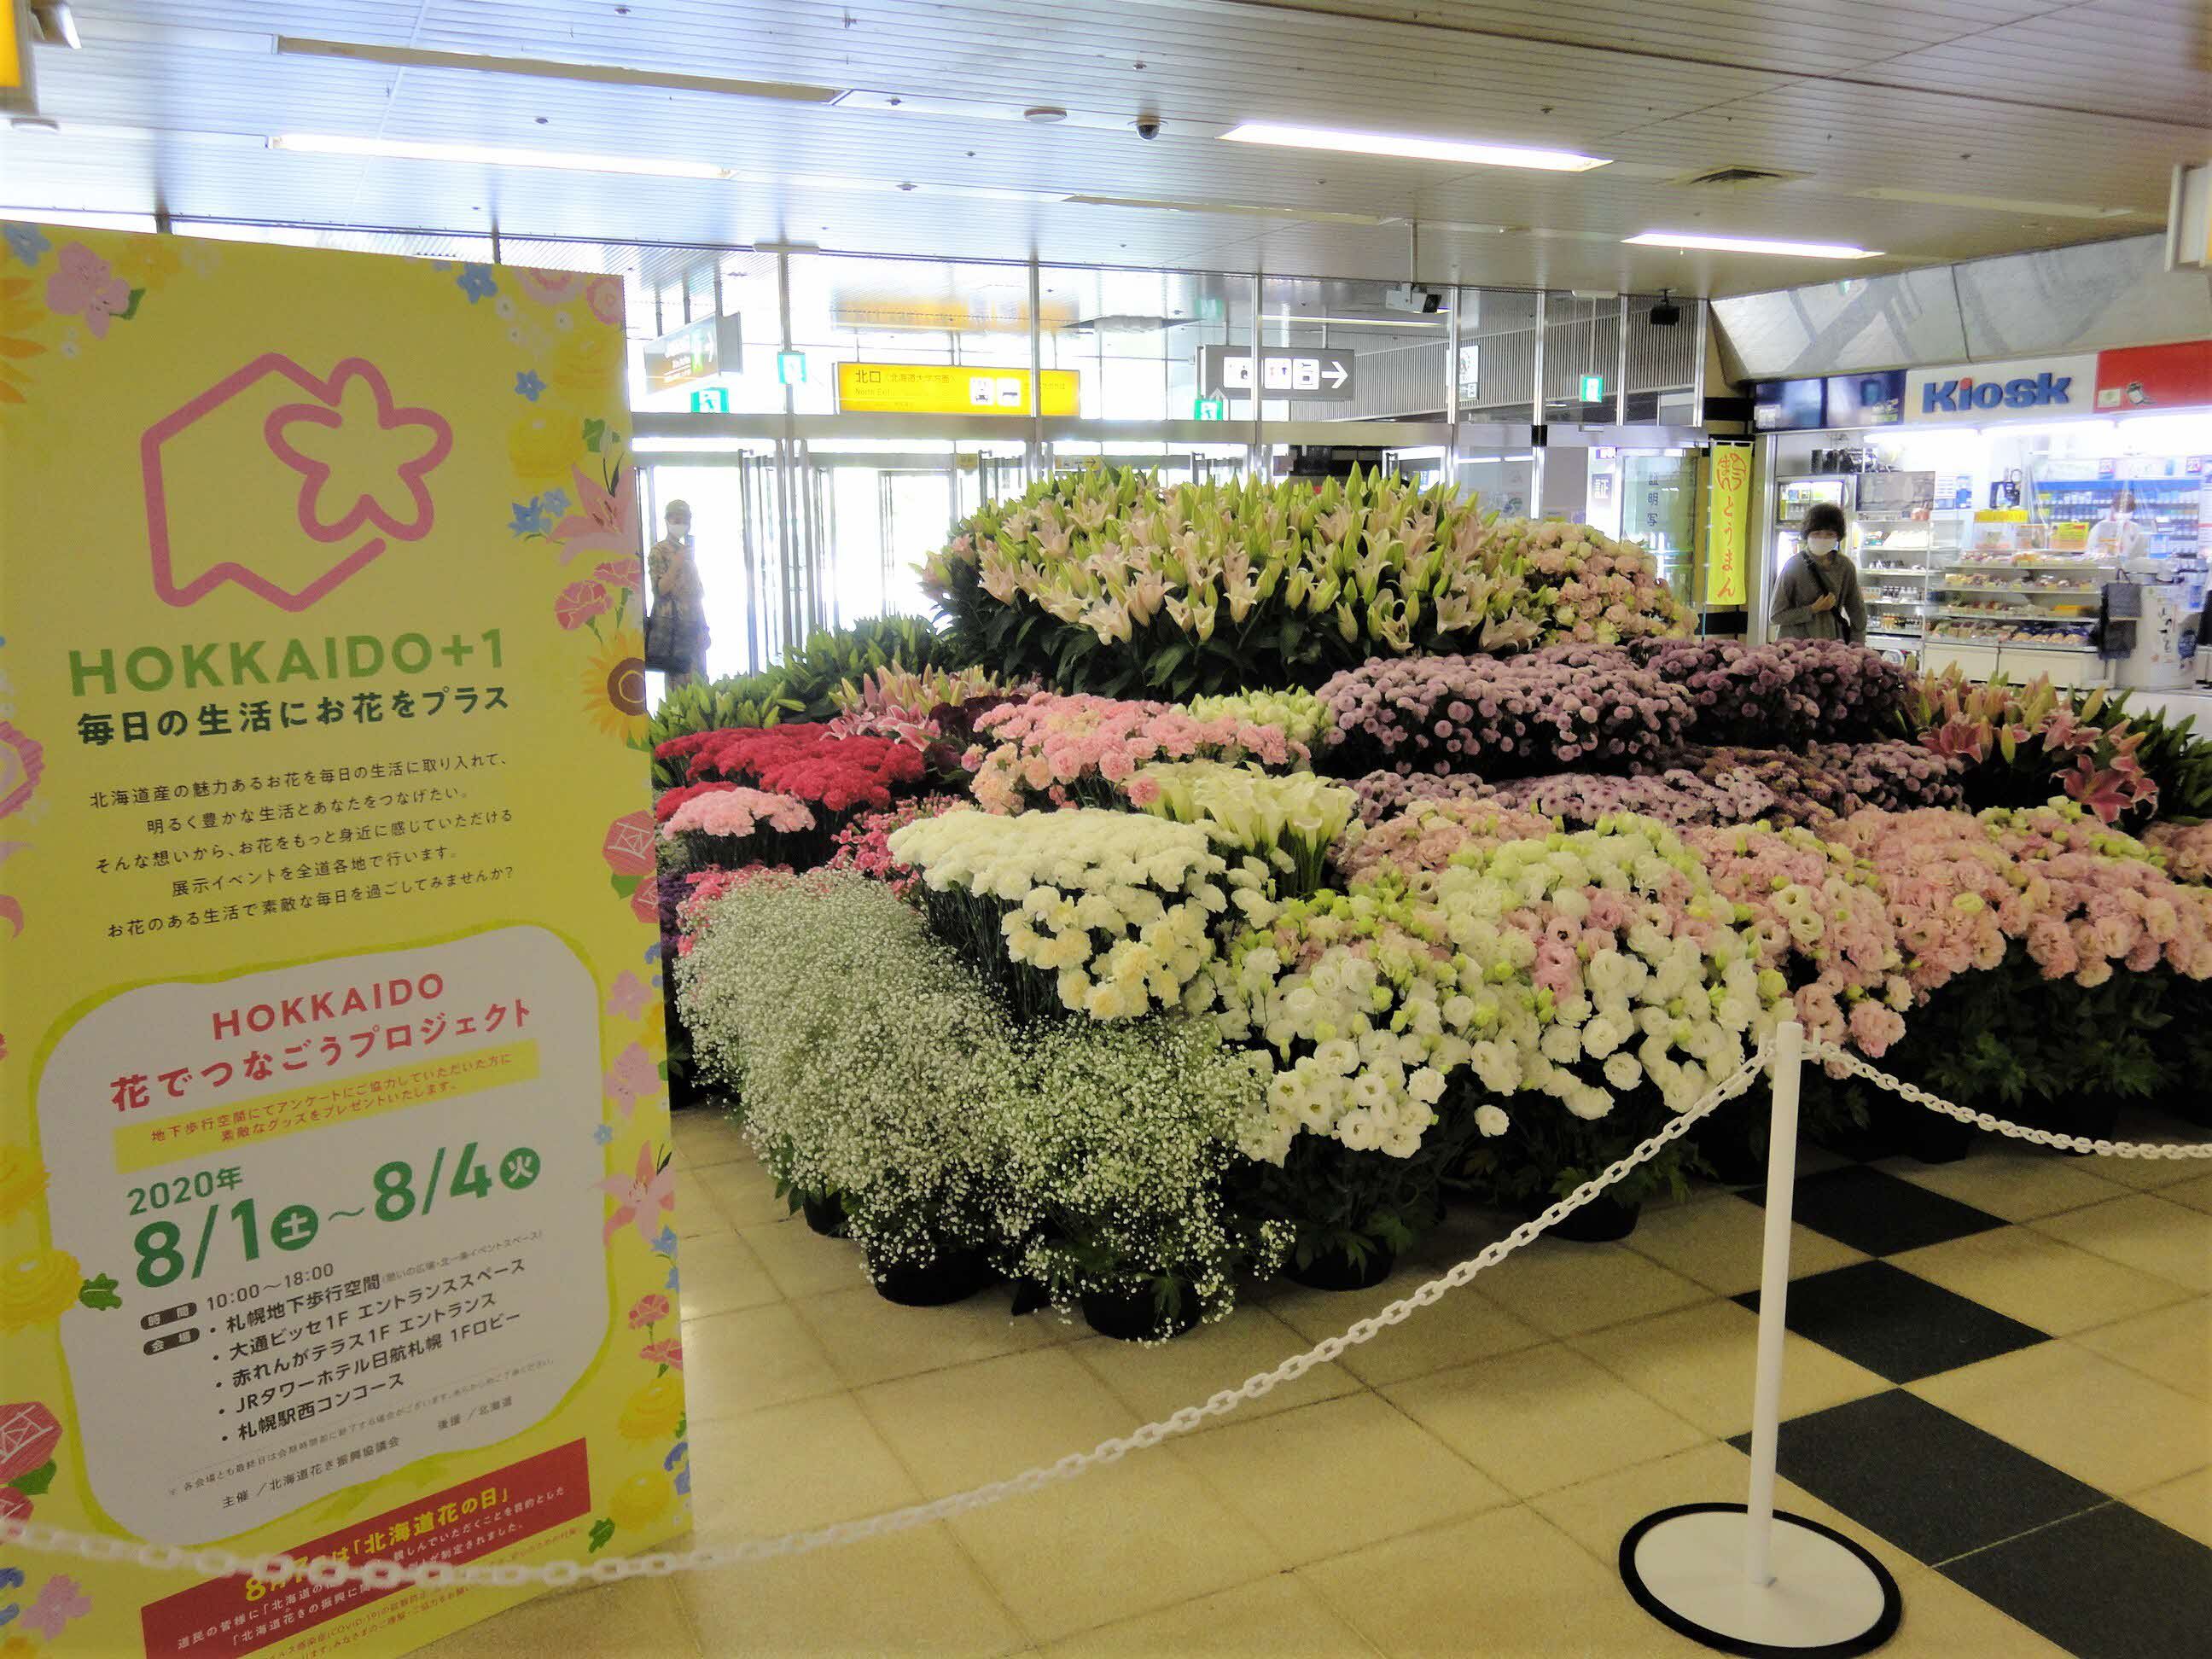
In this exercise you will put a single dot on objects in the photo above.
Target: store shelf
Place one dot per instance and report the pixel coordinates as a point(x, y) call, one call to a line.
point(2006, 562)
point(2037, 593)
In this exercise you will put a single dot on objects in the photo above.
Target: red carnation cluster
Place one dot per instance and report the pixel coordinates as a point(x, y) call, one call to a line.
point(806, 759)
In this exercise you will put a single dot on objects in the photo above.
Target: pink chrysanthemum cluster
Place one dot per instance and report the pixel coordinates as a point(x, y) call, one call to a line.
point(1827, 779)
point(1565, 707)
point(1790, 692)
point(1677, 796)
point(1079, 751)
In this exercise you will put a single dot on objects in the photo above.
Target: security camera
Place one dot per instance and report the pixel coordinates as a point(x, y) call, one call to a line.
point(1148, 127)
point(1421, 301)
point(1666, 313)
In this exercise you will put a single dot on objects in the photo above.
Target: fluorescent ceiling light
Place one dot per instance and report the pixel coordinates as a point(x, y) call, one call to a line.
point(2004, 204)
point(1750, 245)
point(1417, 149)
point(294, 45)
point(408, 149)
point(1249, 210)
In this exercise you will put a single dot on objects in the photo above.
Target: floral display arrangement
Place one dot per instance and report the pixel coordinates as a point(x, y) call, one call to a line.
point(1133, 1001)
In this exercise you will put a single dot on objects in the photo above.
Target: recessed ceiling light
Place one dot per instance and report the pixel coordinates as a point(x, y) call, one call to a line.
point(410, 149)
point(1751, 244)
point(1045, 115)
point(1411, 149)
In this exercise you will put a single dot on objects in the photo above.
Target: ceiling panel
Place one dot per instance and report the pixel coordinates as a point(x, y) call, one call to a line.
point(1666, 88)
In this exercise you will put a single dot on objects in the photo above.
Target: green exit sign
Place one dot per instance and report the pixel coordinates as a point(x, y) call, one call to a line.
point(710, 400)
point(1593, 388)
point(1211, 409)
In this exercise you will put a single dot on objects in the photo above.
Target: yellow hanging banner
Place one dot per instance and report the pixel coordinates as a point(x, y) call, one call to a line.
point(336, 1180)
point(1727, 525)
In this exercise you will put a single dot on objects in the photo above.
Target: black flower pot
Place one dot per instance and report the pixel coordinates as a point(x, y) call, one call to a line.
point(951, 1276)
point(1601, 1221)
point(1729, 1153)
point(825, 1214)
point(1134, 1316)
point(1938, 1137)
point(1334, 1269)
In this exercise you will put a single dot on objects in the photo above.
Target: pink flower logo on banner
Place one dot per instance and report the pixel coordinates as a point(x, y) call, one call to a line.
point(59, 1602)
point(363, 462)
point(629, 997)
point(22, 759)
point(86, 286)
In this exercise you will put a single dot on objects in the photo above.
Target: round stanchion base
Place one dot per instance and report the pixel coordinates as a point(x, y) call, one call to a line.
point(1830, 1597)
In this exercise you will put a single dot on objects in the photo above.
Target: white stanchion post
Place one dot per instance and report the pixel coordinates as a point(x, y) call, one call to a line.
point(1739, 1577)
point(1773, 1302)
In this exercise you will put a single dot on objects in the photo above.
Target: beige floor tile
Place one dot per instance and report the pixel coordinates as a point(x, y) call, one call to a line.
point(2033, 1278)
point(740, 1361)
point(1697, 1363)
point(719, 1275)
point(1541, 1419)
point(2008, 1179)
point(1277, 1615)
point(871, 1340)
point(2079, 1412)
point(1143, 1534)
point(2173, 1345)
point(1507, 1585)
point(2196, 1193)
point(744, 1191)
point(803, 1263)
point(1717, 1244)
point(914, 1592)
point(1943, 1621)
point(955, 1429)
point(696, 1213)
point(2145, 1232)
point(636, 1617)
point(1564, 1289)
point(1152, 1381)
point(1466, 1326)
point(2184, 1504)
point(789, 1469)
point(1324, 1479)
point(2149, 1174)
point(707, 1137)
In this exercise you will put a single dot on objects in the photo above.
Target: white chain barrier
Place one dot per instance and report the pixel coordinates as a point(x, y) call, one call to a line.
point(331, 1572)
point(1850, 1062)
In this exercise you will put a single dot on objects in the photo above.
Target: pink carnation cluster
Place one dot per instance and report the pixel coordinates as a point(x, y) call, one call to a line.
point(736, 812)
point(1080, 750)
point(864, 843)
point(1542, 712)
point(1416, 843)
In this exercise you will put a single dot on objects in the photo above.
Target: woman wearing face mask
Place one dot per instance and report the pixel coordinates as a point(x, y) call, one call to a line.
point(2120, 534)
point(1818, 595)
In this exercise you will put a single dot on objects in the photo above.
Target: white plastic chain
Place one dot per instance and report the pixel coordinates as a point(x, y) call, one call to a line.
point(1851, 1062)
point(392, 1575)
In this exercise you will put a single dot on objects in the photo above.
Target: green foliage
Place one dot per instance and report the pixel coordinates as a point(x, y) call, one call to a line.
point(803, 686)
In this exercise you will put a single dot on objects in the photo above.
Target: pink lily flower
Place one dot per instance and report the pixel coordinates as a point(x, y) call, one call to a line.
point(641, 1198)
point(605, 520)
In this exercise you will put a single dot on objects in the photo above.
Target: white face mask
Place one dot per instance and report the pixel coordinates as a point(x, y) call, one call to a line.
point(1822, 544)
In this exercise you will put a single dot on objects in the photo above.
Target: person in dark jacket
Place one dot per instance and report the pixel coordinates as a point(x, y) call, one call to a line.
point(1817, 596)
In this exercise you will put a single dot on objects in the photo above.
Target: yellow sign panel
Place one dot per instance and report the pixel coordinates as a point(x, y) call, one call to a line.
point(1727, 525)
point(323, 772)
point(949, 389)
point(16, 91)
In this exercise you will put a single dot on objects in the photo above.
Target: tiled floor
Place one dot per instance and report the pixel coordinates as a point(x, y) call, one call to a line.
point(1998, 1381)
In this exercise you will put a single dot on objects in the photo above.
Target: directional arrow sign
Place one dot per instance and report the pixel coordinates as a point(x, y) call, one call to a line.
point(1307, 373)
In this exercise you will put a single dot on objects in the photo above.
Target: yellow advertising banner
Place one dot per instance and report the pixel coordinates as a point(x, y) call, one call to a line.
point(1727, 525)
point(336, 1209)
point(949, 389)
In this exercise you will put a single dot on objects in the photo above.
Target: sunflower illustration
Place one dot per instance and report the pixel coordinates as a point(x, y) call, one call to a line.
point(614, 687)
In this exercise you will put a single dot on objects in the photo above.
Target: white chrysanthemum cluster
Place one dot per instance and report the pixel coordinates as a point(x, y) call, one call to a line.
point(1292, 821)
point(1115, 908)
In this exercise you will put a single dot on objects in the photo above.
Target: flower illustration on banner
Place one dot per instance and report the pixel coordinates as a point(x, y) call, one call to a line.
point(23, 761)
point(601, 1133)
point(27, 242)
point(653, 1411)
point(17, 317)
point(635, 1077)
point(647, 1312)
point(629, 849)
point(627, 998)
point(29, 1434)
point(22, 1179)
point(552, 287)
point(36, 1289)
point(578, 603)
point(477, 281)
point(640, 1199)
point(85, 285)
point(667, 1243)
point(11, 908)
point(625, 575)
point(59, 1602)
point(605, 520)
point(529, 384)
point(529, 517)
point(668, 1351)
point(604, 296)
